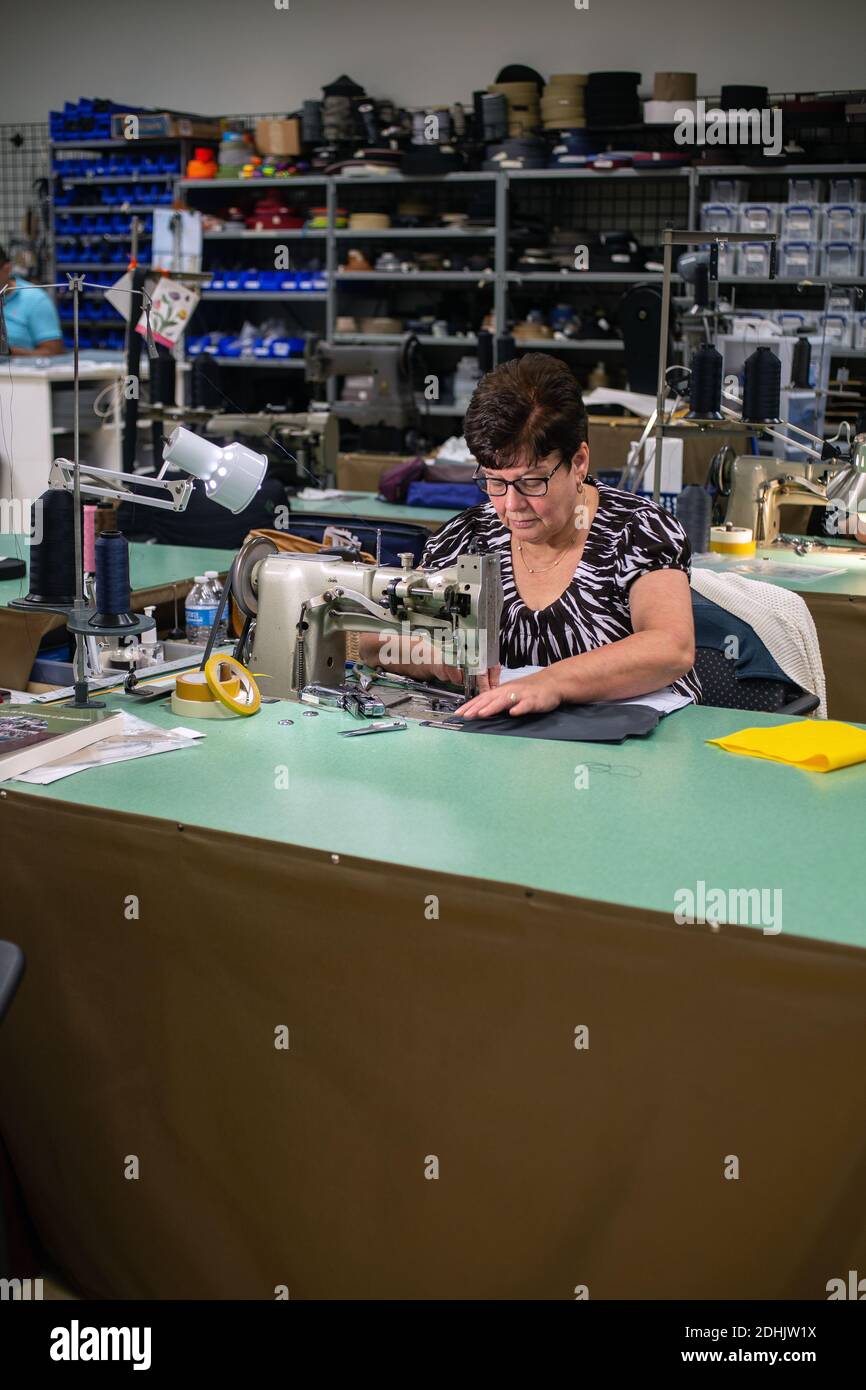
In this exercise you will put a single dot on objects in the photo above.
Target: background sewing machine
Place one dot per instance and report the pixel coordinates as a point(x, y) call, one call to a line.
point(300, 608)
point(772, 496)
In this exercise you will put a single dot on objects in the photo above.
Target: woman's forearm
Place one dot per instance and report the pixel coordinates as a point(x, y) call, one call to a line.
point(635, 665)
point(370, 645)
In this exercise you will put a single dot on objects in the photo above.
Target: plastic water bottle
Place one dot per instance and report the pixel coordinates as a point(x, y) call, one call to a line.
point(216, 588)
point(694, 512)
point(200, 611)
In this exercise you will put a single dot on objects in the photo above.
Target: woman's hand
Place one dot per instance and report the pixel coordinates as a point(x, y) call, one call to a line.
point(422, 661)
point(489, 680)
point(529, 695)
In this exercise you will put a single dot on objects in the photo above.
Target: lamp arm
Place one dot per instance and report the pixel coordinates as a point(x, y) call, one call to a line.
point(109, 485)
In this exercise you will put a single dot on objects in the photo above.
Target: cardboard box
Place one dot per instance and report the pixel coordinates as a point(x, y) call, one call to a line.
point(279, 138)
point(675, 86)
point(160, 125)
point(361, 472)
point(609, 438)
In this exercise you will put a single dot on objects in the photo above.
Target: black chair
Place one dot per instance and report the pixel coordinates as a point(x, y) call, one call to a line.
point(723, 682)
point(722, 687)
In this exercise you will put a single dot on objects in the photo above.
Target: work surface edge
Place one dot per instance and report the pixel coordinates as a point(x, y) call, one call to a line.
point(658, 815)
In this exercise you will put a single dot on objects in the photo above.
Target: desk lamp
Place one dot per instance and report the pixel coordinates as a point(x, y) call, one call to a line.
point(231, 478)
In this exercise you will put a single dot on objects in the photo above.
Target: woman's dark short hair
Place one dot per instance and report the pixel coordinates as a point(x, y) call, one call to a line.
point(528, 408)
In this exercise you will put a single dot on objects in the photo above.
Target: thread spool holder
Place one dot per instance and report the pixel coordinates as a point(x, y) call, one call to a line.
point(81, 618)
point(670, 239)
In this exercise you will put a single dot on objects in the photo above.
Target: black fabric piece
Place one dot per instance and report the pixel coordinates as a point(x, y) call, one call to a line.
point(592, 723)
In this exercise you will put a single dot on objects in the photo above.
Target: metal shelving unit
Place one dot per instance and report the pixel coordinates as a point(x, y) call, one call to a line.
point(236, 241)
point(277, 234)
point(662, 194)
point(782, 289)
point(176, 145)
point(282, 296)
point(413, 233)
point(253, 185)
point(425, 339)
point(416, 277)
point(93, 180)
point(582, 277)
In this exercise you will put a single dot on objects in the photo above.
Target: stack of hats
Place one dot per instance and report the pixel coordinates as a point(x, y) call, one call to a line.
point(311, 122)
point(429, 161)
point(338, 108)
point(491, 116)
point(318, 219)
point(520, 153)
point(368, 161)
point(573, 151)
point(369, 221)
point(672, 92)
point(432, 125)
point(524, 108)
point(562, 106)
point(413, 211)
point(235, 149)
point(612, 99)
point(740, 98)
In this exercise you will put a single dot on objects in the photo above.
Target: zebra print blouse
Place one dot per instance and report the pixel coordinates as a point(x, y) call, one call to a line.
point(629, 537)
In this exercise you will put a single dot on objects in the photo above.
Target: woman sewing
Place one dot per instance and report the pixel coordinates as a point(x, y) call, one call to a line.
point(595, 580)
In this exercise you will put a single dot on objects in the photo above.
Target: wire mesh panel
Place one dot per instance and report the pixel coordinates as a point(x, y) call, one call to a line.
point(24, 213)
point(643, 205)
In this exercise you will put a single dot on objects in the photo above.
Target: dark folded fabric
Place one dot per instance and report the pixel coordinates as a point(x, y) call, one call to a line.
point(714, 628)
point(593, 723)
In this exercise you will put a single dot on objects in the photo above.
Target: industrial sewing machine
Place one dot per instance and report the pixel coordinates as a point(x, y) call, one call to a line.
point(299, 609)
point(760, 489)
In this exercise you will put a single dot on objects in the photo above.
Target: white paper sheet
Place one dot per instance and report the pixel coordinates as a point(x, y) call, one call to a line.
point(138, 740)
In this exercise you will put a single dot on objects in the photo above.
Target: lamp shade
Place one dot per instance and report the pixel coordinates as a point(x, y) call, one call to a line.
point(232, 476)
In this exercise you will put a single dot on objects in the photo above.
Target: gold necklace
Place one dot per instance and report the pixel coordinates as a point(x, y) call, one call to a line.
point(542, 569)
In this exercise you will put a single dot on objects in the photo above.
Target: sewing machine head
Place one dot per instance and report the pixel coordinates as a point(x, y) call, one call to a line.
point(761, 491)
point(760, 488)
point(306, 604)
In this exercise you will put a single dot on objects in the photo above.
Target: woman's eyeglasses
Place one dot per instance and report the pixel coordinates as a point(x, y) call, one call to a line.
point(527, 486)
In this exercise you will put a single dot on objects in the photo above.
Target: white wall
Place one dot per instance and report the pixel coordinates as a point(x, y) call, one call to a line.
point(219, 56)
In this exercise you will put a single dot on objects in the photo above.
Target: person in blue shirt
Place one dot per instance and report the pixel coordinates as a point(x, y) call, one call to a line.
point(29, 316)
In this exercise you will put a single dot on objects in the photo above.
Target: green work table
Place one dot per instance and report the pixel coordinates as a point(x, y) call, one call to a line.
point(849, 568)
point(432, 799)
point(154, 571)
point(300, 976)
point(366, 506)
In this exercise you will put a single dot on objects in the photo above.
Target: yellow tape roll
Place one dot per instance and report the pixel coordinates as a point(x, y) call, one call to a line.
point(218, 683)
point(194, 686)
point(732, 540)
point(199, 709)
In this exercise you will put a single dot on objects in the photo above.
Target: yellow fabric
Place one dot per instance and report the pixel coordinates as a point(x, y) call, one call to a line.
point(818, 745)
